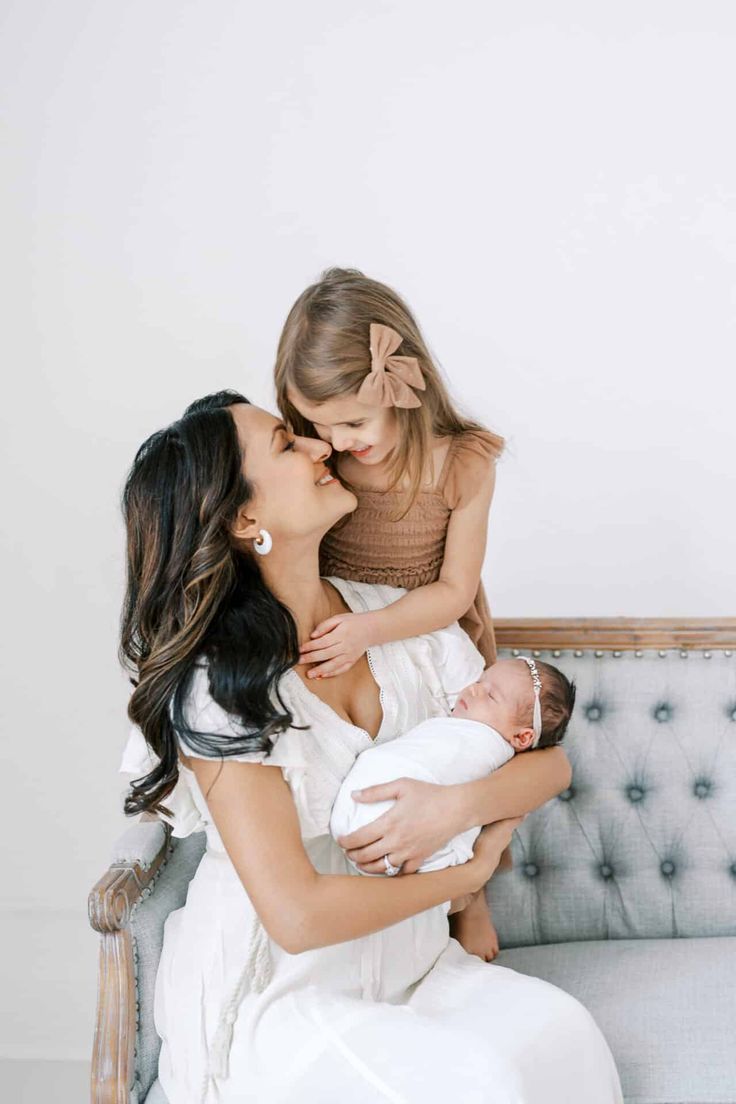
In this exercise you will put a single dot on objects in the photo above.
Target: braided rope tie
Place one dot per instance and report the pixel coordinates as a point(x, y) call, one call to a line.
point(255, 977)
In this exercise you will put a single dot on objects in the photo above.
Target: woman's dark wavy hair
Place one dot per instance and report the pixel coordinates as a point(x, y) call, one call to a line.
point(193, 595)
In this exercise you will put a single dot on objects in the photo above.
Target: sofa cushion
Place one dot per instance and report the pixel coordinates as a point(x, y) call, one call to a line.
point(666, 1006)
point(643, 843)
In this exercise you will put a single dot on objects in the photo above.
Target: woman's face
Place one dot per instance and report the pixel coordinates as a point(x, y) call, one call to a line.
point(367, 432)
point(295, 496)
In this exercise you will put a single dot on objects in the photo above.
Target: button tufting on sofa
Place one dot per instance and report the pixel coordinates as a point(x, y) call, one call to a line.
point(594, 711)
point(531, 869)
point(647, 828)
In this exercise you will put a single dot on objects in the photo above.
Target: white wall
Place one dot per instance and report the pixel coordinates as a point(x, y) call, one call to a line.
point(552, 187)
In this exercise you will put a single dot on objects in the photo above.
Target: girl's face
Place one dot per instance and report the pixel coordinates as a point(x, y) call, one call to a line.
point(369, 433)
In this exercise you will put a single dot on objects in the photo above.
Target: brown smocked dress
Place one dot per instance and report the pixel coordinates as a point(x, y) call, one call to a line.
point(372, 546)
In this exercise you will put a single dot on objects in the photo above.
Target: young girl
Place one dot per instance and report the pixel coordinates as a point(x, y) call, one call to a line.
point(353, 368)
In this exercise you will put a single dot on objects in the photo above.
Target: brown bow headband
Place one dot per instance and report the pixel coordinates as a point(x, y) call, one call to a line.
point(391, 378)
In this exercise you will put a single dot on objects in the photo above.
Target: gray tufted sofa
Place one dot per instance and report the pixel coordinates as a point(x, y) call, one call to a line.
point(622, 891)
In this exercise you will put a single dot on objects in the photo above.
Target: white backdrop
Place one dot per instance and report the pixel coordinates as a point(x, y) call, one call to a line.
point(552, 188)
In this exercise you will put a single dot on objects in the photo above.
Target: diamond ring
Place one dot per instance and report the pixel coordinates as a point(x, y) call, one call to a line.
point(390, 869)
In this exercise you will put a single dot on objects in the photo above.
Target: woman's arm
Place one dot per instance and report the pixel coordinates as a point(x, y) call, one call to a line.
point(338, 642)
point(425, 816)
point(518, 787)
point(254, 812)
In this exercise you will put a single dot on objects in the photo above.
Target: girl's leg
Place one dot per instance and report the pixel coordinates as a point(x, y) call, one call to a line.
point(474, 929)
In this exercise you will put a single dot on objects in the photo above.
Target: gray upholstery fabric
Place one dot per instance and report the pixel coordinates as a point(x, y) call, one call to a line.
point(147, 926)
point(666, 1006)
point(643, 844)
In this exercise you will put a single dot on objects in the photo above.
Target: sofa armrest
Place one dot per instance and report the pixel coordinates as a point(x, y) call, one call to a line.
point(137, 858)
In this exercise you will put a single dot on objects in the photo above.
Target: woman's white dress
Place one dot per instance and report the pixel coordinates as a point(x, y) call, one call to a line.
point(404, 1015)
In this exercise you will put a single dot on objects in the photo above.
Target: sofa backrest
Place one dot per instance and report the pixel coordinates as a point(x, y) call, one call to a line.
point(643, 843)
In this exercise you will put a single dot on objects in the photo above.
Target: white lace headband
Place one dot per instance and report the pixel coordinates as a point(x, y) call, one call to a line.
point(537, 717)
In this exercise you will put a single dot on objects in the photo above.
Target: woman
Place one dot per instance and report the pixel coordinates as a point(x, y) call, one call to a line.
point(284, 978)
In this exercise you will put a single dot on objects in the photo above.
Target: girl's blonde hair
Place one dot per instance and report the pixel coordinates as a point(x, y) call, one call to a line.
point(324, 352)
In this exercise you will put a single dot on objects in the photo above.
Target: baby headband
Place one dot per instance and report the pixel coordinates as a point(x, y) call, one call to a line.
point(537, 718)
point(391, 378)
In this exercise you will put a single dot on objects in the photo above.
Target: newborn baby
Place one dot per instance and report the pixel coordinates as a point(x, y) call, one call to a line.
point(516, 705)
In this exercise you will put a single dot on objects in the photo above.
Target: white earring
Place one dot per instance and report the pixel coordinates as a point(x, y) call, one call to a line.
point(263, 542)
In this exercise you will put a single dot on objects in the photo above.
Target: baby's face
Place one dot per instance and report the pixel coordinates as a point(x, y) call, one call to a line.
point(502, 695)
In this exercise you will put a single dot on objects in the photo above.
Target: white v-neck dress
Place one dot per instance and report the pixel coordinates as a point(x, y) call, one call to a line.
point(404, 1015)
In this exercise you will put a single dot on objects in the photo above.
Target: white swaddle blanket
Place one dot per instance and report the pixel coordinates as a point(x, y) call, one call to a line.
point(444, 750)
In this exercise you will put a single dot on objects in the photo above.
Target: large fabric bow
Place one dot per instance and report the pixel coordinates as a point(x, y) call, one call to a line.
point(391, 378)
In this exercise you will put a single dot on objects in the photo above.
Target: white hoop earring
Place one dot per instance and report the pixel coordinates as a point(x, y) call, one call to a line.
point(263, 542)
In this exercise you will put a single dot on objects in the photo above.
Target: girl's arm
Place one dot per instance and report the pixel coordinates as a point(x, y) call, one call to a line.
point(426, 816)
point(339, 641)
point(439, 604)
point(254, 812)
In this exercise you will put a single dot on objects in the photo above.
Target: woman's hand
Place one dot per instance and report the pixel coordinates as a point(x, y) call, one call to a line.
point(423, 819)
point(336, 644)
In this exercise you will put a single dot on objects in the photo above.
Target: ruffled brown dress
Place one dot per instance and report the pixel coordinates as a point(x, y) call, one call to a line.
point(375, 545)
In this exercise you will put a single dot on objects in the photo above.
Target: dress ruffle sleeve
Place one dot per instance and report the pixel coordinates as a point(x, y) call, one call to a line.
point(473, 460)
point(203, 714)
point(139, 760)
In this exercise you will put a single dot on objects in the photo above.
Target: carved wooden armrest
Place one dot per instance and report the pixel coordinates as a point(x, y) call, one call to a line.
point(137, 858)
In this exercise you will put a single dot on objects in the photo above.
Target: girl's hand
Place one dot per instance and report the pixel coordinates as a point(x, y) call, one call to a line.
point(336, 644)
point(491, 844)
point(423, 819)
point(459, 904)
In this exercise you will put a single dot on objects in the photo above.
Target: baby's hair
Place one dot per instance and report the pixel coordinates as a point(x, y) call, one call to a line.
point(324, 352)
point(557, 700)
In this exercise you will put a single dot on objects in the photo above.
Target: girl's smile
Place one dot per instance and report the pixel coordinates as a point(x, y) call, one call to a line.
point(361, 453)
point(363, 431)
